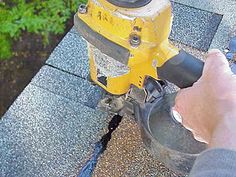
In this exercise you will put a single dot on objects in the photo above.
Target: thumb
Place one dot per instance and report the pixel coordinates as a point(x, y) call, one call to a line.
point(216, 62)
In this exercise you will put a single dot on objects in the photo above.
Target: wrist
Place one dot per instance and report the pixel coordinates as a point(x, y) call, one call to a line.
point(224, 134)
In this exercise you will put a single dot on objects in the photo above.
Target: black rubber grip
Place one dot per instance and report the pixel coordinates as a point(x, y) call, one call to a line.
point(182, 70)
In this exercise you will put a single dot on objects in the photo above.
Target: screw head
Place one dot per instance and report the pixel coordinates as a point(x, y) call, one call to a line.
point(135, 40)
point(83, 8)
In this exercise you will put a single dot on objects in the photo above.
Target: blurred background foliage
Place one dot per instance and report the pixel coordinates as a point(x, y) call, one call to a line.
point(33, 16)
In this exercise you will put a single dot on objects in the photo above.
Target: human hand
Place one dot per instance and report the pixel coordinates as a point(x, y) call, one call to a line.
point(208, 108)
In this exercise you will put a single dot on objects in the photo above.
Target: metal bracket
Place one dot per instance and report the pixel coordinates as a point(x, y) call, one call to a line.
point(154, 89)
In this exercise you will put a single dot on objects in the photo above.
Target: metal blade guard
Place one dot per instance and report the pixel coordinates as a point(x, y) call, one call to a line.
point(166, 139)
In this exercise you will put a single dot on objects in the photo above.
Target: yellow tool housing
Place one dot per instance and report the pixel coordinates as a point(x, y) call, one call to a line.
point(149, 28)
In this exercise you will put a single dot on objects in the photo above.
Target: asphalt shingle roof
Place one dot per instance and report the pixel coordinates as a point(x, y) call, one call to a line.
point(45, 134)
point(52, 127)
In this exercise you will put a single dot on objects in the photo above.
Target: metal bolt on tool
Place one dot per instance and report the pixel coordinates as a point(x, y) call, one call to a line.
point(83, 8)
point(135, 40)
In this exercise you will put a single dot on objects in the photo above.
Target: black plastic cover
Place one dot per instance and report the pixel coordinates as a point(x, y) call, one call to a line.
point(182, 70)
point(129, 3)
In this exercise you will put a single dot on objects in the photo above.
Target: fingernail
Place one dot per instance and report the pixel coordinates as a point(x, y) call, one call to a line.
point(177, 116)
point(188, 128)
point(200, 139)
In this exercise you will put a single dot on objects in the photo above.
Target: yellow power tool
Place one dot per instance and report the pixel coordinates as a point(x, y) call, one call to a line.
point(128, 40)
point(129, 54)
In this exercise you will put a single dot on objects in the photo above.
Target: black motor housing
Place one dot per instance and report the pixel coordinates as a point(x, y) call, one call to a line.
point(129, 3)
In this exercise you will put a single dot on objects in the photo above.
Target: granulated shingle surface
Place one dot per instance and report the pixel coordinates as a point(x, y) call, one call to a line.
point(194, 27)
point(44, 134)
point(126, 155)
point(227, 27)
point(71, 55)
point(68, 86)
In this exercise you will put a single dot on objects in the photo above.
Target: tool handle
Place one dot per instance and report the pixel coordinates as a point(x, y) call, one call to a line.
point(183, 69)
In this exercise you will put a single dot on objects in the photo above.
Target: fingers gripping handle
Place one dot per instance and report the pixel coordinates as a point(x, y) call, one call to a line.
point(182, 70)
